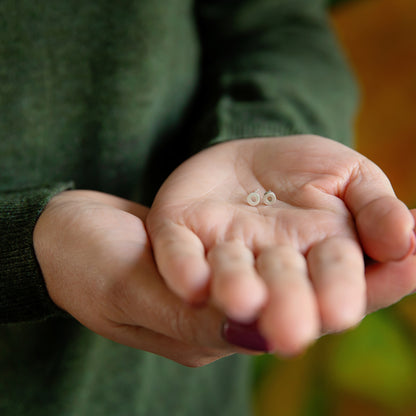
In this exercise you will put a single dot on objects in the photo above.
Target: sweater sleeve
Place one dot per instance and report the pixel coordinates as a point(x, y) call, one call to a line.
point(23, 294)
point(272, 68)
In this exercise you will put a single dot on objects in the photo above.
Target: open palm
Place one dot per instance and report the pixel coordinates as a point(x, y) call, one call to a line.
point(298, 265)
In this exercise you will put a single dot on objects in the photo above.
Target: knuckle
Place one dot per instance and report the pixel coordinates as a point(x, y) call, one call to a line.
point(341, 250)
point(334, 253)
point(290, 258)
point(230, 254)
point(282, 258)
point(338, 252)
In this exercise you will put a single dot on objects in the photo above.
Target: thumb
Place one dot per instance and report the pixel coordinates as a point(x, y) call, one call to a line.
point(384, 223)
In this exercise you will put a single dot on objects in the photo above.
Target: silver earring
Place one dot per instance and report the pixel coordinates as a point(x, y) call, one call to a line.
point(269, 198)
point(253, 198)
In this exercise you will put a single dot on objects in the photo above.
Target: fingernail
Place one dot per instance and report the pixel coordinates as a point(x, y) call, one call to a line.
point(412, 248)
point(245, 335)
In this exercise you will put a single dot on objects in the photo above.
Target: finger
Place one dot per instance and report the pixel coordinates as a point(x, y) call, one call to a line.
point(236, 287)
point(384, 224)
point(387, 283)
point(180, 257)
point(140, 298)
point(336, 268)
point(290, 320)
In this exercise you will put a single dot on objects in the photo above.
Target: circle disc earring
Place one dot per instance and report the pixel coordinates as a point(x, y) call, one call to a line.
point(253, 198)
point(269, 198)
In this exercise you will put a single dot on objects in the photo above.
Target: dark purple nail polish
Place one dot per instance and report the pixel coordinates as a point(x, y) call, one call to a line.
point(245, 335)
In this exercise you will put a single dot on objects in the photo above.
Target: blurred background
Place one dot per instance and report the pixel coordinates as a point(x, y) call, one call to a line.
point(371, 370)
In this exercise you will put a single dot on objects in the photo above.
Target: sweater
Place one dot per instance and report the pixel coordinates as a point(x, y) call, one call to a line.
point(111, 96)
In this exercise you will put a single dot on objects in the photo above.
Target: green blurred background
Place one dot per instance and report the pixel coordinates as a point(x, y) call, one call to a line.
point(371, 370)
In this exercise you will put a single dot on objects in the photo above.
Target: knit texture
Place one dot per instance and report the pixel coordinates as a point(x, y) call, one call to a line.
point(23, 294)
point(111, 95)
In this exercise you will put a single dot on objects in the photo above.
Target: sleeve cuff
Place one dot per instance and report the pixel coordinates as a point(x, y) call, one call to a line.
point(23, 293)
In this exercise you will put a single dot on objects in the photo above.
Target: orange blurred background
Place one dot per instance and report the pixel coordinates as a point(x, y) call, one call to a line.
point(379, 38)
point(371, 370)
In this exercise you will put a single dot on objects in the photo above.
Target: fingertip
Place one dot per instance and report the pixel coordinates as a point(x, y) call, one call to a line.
point(386, 229)
point(289, 336)
point(240, 299)
point(343, 317)
point(412, 247)
point(236, 287)
point(336, 268)
point(343, 307)
point(290, 319)
point(389, 282)
point(180, 258)
point(188, 277)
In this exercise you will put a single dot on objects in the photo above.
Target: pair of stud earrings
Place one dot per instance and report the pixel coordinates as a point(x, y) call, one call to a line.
point(254, 198)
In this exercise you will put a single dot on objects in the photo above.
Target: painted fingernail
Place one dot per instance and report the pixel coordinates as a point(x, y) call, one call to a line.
point(245, 335)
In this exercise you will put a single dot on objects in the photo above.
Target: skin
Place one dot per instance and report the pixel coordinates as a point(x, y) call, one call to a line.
point(297, 266)
point(98, 266)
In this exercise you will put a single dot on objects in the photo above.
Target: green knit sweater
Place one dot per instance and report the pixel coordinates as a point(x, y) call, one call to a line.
point(111, 95)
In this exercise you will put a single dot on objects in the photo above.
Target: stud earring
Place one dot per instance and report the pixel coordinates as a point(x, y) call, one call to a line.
point(269, 198)
point(253, 198)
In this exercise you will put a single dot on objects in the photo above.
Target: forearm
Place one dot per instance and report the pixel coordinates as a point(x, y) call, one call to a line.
point(272, 69)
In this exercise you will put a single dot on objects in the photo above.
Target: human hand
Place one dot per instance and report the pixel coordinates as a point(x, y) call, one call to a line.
point(388, 282)
point(297, 266)
point(97, 263)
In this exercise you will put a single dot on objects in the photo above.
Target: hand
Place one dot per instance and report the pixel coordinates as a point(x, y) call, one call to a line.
point(96, 259)
point(297, 266)
point(389, 282)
